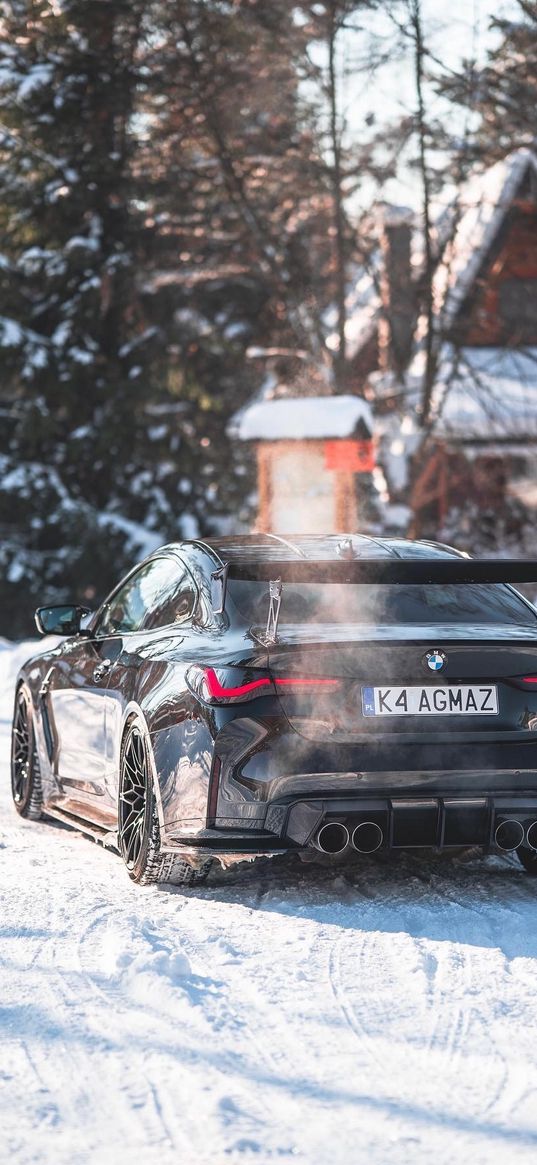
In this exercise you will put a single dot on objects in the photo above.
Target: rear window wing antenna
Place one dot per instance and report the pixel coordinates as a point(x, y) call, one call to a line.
point(219, 589)
point(275, 602)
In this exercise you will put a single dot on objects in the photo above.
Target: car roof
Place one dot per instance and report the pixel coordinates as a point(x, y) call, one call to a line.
point(245, 549)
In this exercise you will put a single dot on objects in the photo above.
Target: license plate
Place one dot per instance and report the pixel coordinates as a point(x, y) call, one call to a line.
point(464, 699)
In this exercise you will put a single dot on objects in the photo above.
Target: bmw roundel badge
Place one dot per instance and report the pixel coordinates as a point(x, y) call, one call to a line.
point(435, 660)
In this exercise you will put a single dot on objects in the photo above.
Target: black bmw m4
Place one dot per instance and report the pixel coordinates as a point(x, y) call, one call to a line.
point(253, 695)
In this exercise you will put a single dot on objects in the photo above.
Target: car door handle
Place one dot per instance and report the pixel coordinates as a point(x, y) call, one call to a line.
point(102, 669)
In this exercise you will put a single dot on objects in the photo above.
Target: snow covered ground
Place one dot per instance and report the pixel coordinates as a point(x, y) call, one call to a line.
point(283, 1012)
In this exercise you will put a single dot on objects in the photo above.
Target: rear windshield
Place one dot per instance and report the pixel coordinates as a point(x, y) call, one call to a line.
point(302, 603)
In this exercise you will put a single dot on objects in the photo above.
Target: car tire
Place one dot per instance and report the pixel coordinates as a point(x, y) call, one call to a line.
point(138, 823)
point(528, 857)
point(25, 771)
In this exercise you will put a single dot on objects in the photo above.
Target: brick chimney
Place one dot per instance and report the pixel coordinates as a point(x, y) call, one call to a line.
point(397, 321)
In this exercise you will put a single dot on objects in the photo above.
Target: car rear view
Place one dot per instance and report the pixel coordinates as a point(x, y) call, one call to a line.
point(399, 706)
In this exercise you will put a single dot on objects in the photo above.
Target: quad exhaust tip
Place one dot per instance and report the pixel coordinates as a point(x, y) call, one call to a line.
point(367, 837)
point(509, 835)
point(332, 838)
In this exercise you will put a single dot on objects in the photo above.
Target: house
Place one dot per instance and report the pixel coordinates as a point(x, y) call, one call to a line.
point(482, 438)
point(480, 441)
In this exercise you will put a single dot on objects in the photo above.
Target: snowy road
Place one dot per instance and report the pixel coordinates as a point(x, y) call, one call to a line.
point(282, 1012)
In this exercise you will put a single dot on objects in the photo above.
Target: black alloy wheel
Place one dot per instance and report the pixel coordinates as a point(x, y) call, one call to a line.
point(138, 824)
point(25, 771)
point(528, 857)
point(133, 801)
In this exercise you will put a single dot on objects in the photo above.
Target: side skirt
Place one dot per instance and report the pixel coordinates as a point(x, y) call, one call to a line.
point(238, 849)
point(105, 837)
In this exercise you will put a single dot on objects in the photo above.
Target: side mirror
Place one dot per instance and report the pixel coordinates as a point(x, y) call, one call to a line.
point(60, 620)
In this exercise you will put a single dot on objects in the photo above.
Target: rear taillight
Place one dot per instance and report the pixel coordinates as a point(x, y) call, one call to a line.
point(234, 685)
point(529, 679)
point(216, 690)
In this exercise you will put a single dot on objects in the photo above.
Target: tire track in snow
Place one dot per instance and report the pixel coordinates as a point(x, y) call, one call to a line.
point(106, 977)
point(362, 952)
point(206, 1010)
point(103, 1099)
point(421, 996)
point(137, 1093)
point(81, 1077)
point(435, 1025)
point(510, 902)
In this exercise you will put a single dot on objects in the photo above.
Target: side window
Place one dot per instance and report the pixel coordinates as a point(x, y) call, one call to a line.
point(153, 596)
point(174, 603)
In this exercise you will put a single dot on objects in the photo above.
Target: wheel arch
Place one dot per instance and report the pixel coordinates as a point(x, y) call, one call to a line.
point(133, 712)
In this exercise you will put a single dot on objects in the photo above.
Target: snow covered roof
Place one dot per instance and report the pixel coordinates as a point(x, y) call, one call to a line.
point(484, 399)
point(482, 206)
point(487, 393)
point(474, 218)
point(295, 418)
point(481, 394)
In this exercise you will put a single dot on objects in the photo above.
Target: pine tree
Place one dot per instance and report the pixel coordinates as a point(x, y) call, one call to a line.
point(115, 412)
point(241, 250)
point(73, 328)
point(164, 205)
point(236, 140)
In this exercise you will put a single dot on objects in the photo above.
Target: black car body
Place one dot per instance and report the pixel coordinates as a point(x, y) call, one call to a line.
point(333, 693)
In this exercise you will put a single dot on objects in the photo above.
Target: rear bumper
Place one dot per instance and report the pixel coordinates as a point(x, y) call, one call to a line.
point(439, 822)
point(259, 764)
point(417, 822)
point(266, 789)
point(410, 823)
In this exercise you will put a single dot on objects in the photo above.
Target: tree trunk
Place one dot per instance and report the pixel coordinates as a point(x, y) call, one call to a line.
point(427, 283)
point(340, 361)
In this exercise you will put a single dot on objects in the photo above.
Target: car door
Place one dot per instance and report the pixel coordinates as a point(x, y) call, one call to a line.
point(167, 599)
point(89, 684)
point(175, 636)
point(74, 703)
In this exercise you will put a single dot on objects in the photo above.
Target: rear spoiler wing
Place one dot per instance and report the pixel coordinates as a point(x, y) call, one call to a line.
point(381, 570)
point(368, 571)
